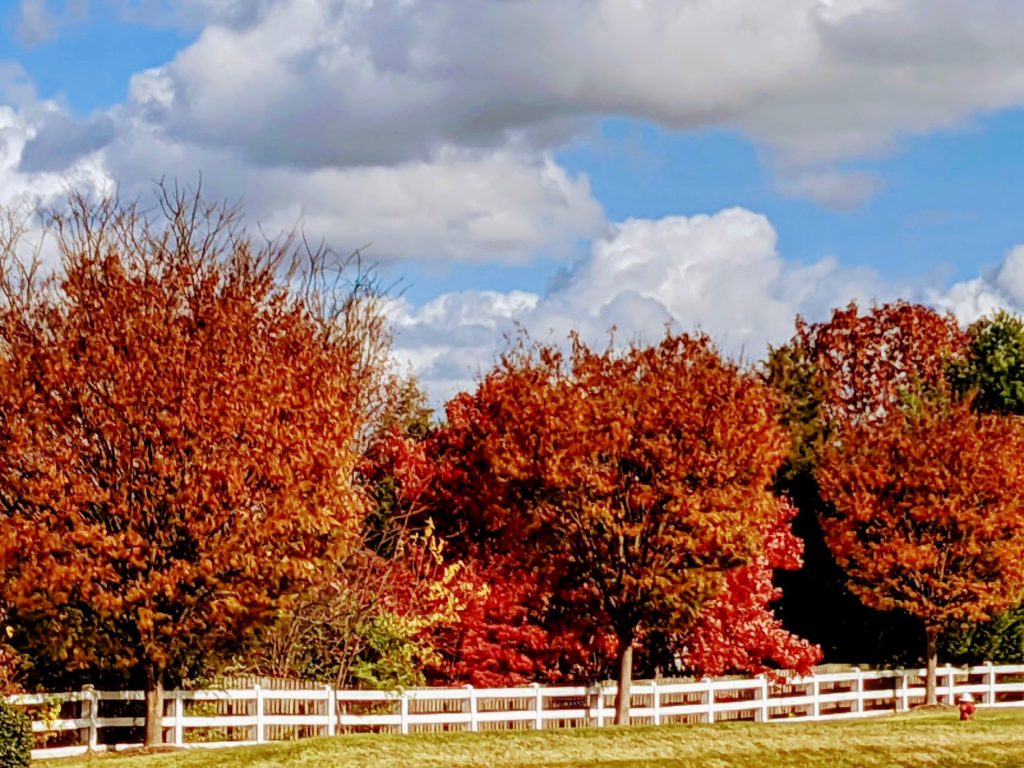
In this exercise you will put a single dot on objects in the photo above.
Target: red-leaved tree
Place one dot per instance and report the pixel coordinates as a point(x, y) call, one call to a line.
point(736, 630)
point(498, 639)
point(627, 484)
point(865, 363)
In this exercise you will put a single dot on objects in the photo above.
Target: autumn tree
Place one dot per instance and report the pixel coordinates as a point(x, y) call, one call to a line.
point(629, 482)
point(498, 640)
point(926, 514)
point(368, 621)
point(863, 363)
point(852, 368)
point(373, 616)
point(180, 407)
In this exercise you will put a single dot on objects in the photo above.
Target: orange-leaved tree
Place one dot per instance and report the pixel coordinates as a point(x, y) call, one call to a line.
point(927, 515)
point(853, 368)
point(630, 481)
point(180, 408)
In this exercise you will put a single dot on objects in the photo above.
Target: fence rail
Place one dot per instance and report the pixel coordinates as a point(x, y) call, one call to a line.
point(68, 724)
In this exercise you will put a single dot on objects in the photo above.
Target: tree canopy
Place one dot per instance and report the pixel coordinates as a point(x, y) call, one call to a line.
point(180, 411)
point(629, 482)
point(926, 517)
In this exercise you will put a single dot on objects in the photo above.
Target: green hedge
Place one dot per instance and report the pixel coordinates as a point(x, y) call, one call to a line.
point(15, 737)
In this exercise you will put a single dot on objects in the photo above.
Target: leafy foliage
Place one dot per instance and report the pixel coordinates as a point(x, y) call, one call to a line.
point(994, 369)
point(1000, 640)
point(927, 517)
point(500, 637)
point(803, 392)
point(629, 483)
point(9, 661)
point(867, 364)
point(179, 426)
point(993, 373)
point(854, 368)
point(369, 621)
point(16, 740)
point(736, 631)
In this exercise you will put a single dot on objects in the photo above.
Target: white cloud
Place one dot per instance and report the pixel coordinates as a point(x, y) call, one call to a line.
point(830, 187)
point(998, 288)
point(393, 82)
point(497, 206)
point(22, 188)
point(720, 274)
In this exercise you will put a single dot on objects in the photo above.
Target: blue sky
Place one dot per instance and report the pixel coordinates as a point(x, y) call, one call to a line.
point(572, 164)
point(950, 200)
point(88, 61)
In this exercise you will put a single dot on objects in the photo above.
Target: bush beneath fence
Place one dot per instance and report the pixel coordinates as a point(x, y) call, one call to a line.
point(15, 737)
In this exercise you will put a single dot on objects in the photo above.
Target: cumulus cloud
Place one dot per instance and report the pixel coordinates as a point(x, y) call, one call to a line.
point(58, 141)
point(29, 188)
point(498, 206)
point(720, 274)
point(354, 83)
point(501, 205)
point(999, 288)
point(394, 80)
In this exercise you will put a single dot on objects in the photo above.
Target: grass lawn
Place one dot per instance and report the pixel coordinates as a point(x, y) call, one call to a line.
point(931, 739)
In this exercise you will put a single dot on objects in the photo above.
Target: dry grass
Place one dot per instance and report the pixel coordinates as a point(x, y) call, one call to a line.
point(994, 740)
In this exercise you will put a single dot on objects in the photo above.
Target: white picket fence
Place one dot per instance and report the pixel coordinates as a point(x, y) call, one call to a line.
point(70, 724)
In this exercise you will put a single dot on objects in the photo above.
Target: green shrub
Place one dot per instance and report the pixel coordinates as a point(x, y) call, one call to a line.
point(15, 737)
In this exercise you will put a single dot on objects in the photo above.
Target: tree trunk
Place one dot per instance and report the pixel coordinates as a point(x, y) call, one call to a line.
point(154, 708)
point(933, 655)
point(625, 681)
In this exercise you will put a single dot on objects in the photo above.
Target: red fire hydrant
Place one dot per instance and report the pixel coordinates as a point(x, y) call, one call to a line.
point(966, 703)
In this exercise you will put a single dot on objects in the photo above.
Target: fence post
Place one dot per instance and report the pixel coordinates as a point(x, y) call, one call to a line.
point(709, 697)
point(260, 735)
point(403, 712)
point(474, 726)
point(599, 702)
point(538, 706)
point(761, 714)
point(990, 679)
point(815, 696)
point(858, 705)
point(656, 702)
point(332, 710)
point(903, 693)
point(90, 705)
point(179, 718)
point(950, 692)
